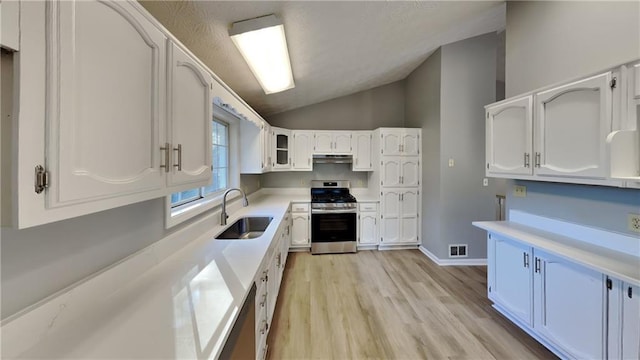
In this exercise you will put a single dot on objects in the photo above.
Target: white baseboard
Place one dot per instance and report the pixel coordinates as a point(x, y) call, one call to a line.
point(397, 247)
point(452, 262)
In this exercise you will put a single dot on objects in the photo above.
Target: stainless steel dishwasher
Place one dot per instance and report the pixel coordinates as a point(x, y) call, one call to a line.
point(241, 343)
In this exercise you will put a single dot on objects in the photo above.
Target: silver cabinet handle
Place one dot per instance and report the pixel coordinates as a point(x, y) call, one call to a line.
point(526, 160)
point(537, 159)
point(165, 148)
point(179, 150)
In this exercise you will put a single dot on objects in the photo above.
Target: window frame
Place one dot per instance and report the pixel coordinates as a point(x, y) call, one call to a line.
point(175, 215)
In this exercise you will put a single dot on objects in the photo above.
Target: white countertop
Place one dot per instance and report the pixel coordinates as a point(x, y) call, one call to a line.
point(615, 264)
point(183, 307)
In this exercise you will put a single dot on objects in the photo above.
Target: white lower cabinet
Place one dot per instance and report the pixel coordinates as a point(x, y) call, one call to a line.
point(510, 283)
point(569, 306)
point(368, 224)
point(300, 225)
point(268, 286)
point(399, 212)
point(624, 320)
point(562, 304)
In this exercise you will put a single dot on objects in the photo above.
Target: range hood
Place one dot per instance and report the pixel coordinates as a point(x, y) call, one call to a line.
point(332, 159)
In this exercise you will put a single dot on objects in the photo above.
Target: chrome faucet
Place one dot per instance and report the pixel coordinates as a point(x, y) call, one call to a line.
point(223, 215)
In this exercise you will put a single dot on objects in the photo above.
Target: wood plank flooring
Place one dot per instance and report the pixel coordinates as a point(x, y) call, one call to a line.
point(390, 305)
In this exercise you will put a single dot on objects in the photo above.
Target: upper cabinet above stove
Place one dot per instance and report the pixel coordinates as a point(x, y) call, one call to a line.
point(332, 142)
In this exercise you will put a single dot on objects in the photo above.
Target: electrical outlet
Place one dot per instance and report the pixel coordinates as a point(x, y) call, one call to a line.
point(520, 191)
point(360, 183)
point(485, 182)
point(633, 222)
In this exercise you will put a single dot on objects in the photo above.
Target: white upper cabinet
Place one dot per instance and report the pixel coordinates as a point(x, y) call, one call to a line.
point(584, 132)
point(362, 150)
point(573, 122)
point(509, 137)
point(281, 145)
point(302, 152)
point(400, 141)
point(105, 101)
point(398, 171)
point(332, 142)
point(9, 25)
point(190, 103)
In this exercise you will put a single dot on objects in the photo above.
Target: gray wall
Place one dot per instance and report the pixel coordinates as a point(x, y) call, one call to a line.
point(445, 97)
point(552, 41)
point(596, 206)
point(422, 109)
point(562, 41)
point(301, 179)
point(366, 110)
point(40, 261)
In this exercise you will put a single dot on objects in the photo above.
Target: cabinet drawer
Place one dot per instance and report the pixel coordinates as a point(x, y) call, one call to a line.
point(299, 207)
point(368, 206)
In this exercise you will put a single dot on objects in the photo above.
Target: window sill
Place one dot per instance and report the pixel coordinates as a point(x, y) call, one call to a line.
point(182, 213)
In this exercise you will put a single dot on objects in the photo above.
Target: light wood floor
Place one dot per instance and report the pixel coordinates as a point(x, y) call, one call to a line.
point(390, 305)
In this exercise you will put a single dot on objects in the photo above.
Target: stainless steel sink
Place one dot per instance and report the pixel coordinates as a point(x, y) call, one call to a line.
point(246, 228)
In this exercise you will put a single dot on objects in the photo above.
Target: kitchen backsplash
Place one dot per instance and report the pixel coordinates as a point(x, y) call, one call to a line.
point(297, 179)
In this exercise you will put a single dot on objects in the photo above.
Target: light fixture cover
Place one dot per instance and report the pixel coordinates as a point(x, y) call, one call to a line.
point(263, 45)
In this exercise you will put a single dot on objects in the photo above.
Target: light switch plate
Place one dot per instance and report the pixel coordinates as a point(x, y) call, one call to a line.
point(451, 162)
point(520, 191)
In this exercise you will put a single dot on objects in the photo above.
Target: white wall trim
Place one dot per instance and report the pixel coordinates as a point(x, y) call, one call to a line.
point(627, 244)
point(452, 262)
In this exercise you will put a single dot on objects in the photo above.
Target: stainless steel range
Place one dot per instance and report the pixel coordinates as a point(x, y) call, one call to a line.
point(333, 217)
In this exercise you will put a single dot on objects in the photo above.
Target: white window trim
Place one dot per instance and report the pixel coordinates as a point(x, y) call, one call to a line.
point(184, 212)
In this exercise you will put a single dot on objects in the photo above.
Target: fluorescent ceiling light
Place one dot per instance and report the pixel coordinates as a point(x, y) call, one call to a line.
point(262, 43)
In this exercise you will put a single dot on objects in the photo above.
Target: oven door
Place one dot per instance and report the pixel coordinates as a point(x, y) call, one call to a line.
point(333, 231)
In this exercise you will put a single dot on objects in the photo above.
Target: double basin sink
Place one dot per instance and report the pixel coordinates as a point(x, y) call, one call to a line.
point(246, 228)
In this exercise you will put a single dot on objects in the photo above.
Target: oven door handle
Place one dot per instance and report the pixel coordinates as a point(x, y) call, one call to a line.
point(334, 211)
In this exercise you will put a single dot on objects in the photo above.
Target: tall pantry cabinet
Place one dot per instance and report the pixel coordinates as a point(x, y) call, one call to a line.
point(400, 176)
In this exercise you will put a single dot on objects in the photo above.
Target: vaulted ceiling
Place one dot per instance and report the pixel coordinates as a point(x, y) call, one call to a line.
point(336, 47)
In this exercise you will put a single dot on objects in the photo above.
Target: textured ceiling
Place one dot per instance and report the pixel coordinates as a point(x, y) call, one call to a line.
point(336, 47)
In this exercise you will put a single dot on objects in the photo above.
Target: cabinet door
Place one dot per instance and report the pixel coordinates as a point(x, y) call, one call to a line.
point(569, 306)
point(390, 217)
point(409, 202)
point(391, 140)
point(300, 229)
point(630, 321)
point(391, 171)
point(302, 150)
point(342, 142)
point(323, 143)
point(267, 146)
point(410, 143)
point(106, 101)
point(9, 25)
point(281, 146)
point(509, 137)
point(410, 172)
point(368, 228)
point(362, 160)
point(190, 105)
point(512, 287)
point(573, 122)
point(636, 71)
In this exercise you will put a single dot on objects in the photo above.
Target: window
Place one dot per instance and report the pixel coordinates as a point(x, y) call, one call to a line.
point(220, 176)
